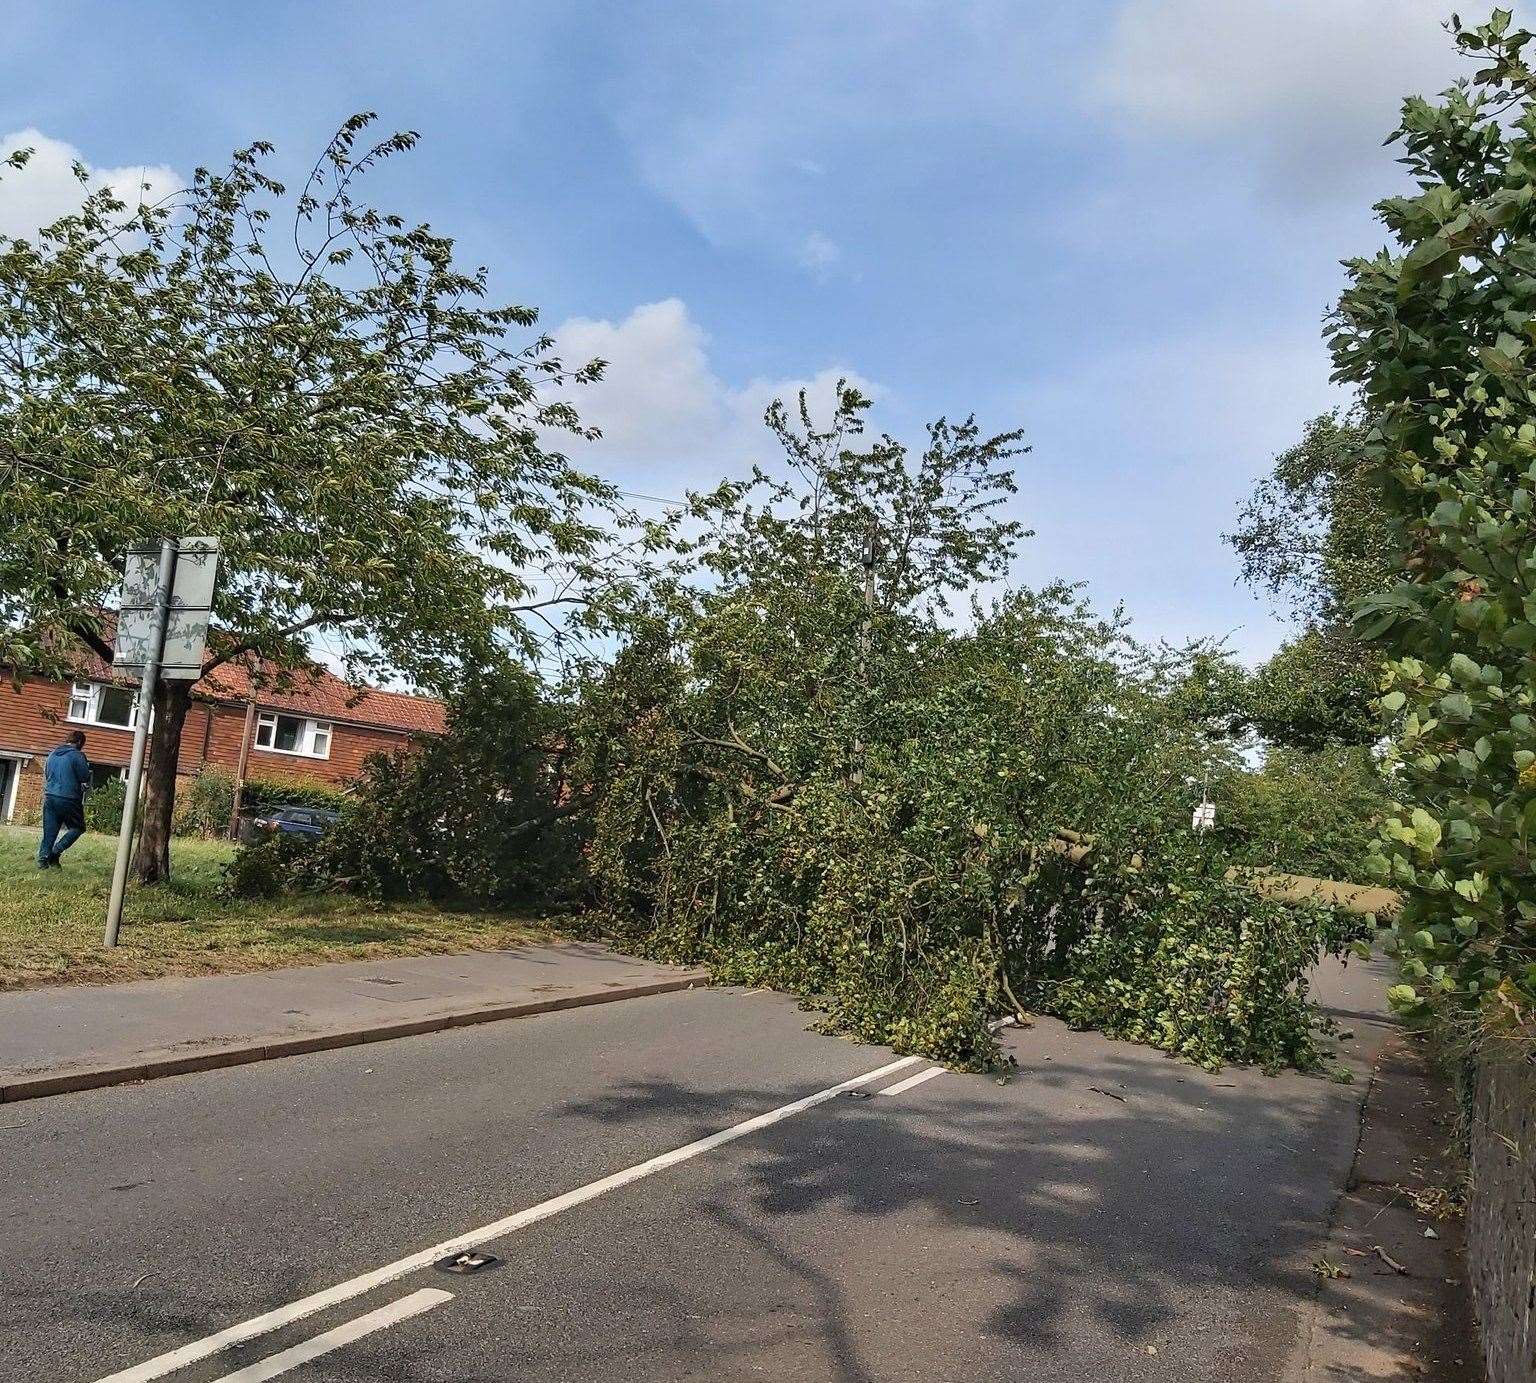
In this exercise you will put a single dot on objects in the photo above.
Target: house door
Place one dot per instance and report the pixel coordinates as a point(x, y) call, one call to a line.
point(10, 772)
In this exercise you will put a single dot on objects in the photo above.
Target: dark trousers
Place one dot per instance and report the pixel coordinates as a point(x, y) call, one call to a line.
point(60, 813)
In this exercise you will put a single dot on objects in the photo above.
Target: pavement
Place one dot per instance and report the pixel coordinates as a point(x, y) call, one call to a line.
point(83, 1036)
point(1394, 1301)
point(694, 1186)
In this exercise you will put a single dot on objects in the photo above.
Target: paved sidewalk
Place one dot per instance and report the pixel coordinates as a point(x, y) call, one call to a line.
point(80, 1036)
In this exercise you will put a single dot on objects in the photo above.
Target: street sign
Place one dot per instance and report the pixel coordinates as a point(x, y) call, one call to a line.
point(186, 630)
point(1204, 817)
point(136, 612)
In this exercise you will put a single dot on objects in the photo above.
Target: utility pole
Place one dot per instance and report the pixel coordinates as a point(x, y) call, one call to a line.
point(164, 576)
point(245, 758)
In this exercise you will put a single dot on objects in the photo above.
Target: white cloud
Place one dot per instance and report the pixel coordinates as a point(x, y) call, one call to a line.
point(1312, 86)
point(47, 188)
point(818, 254)
point(657, 398)
point(669, 422)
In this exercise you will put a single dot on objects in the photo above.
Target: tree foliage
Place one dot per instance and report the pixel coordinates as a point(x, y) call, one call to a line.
point(1440, 336)
point(477, 813)
point(1304, 811)
point(803, 768)
point(1316, 693)
point(1316, 535)
point(331, 395)
point(801, 772)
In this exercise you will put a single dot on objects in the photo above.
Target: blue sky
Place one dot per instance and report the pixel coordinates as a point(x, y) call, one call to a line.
point(1114, 223)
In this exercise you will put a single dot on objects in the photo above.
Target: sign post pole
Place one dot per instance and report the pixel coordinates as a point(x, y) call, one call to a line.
point(164, 575)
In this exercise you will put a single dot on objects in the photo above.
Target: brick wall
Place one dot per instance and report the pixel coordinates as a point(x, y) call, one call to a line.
point(1501, 1213)
point(34, 719)
point(351, 747)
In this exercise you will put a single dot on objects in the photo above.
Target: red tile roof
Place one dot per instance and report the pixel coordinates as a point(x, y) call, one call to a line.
point(315, 692)
point(325, 696)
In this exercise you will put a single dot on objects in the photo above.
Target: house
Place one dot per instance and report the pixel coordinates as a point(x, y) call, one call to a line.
point(318, 730)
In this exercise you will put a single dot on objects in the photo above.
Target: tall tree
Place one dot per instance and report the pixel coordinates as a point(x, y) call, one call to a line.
point(337, 403)
point(1316, 533)
point(1317, 536)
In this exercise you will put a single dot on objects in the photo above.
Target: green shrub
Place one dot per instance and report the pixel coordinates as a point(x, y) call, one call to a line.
point(104, 806)
point(258, 794)
point(265, 868)
point(203, 803)
point(472, 815)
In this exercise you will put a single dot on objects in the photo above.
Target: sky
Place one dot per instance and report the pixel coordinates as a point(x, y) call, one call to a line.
point(1115, 224)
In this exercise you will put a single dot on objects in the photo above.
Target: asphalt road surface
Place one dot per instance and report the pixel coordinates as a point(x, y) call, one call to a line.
point(675, 1189)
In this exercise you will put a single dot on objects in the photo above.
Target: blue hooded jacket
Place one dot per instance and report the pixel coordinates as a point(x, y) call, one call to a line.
point(67, 773)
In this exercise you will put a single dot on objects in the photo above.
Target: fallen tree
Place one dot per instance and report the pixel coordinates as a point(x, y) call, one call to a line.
point(812, 778)
point(799, 769)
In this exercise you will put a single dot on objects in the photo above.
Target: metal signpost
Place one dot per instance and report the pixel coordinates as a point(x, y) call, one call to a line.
point(162, 628)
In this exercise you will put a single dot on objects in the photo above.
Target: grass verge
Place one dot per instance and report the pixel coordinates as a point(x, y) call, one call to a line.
point(51, 921)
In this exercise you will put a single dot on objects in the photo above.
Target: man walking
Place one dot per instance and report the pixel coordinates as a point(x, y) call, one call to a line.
point(66, 776)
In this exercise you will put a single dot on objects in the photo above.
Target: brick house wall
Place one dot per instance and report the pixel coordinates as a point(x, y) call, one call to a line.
point(34, 718)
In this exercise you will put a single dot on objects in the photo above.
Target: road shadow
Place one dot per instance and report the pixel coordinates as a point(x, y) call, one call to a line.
point(1105, 1197)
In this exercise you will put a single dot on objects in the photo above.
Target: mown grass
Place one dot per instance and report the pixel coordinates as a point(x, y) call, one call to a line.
point(51, 921)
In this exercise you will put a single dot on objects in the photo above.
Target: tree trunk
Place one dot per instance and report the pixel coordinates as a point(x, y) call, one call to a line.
point(152, 863)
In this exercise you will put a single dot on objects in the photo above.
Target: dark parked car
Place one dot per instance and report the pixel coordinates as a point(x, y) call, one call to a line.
point(298, 821)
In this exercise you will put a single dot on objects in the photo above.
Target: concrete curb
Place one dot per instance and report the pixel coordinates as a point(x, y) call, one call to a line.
point(95, 1077)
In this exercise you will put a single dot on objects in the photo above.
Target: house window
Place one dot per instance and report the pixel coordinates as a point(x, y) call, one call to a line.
point(97, 703)
point(293, 735)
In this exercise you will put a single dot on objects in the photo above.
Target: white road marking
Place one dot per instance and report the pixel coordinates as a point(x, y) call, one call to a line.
point(163, 1364)
point(910, 1081)
point(302, 1353)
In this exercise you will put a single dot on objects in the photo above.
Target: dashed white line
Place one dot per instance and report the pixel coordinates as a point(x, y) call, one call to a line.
point(302, 1353)
point(910, 1081)
point(174, 1359)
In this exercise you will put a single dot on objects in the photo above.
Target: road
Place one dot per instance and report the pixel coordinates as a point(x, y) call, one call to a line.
point(1106, 1213)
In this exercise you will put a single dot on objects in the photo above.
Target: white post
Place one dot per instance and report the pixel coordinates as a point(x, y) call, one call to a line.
point(146, 700)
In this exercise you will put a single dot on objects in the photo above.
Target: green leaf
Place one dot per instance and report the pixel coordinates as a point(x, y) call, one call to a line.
point(1465, 671)
point(1426, 829)
point(1427, 263)
point(1457, 704)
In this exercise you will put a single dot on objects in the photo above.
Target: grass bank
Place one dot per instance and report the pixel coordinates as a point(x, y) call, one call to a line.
point(51, 921)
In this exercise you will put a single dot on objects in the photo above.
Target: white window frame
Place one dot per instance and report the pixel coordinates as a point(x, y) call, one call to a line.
point(314, 739)
point(87, 696)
